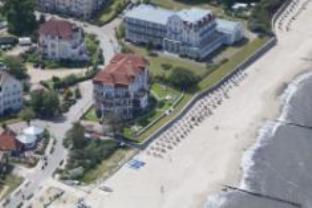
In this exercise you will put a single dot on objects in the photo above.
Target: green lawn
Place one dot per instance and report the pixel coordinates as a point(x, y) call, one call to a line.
point(234, 61)
point(181, 4)
point(161, 91)
point(108, 166)
point(131, 129)
point(12, 182)
point(111, 11)
point(165, 98)
point(157, 62)
point(177, 5)
point(91, 115)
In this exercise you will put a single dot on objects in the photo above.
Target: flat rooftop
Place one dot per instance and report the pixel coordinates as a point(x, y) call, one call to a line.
point(193, 15)
point(150, 13)
point(227, 25)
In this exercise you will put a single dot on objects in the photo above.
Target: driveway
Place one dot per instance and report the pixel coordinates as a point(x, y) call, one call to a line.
point(34, 180)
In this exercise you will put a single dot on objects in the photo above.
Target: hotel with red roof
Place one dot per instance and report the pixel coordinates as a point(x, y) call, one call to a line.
point(122, 88)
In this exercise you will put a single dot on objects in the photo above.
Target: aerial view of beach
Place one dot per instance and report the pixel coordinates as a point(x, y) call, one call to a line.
point(155, 104)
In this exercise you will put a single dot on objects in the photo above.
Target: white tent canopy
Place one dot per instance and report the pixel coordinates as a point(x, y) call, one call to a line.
point(33, 131)
point(26, 139)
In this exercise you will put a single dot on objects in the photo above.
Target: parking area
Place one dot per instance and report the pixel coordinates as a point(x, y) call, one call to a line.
point(37, 75)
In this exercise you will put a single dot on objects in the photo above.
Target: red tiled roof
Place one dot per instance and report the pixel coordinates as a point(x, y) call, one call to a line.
point(58, 28)
point(8, 141)
point(122, 70)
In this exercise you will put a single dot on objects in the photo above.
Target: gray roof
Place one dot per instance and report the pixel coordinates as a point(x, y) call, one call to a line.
point(227, 25)
point(193, 15)
point(150, 13)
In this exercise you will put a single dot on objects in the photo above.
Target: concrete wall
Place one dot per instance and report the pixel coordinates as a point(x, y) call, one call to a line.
point(278, 13)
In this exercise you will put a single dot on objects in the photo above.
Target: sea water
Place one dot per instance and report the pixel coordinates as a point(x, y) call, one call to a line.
point(280, 163)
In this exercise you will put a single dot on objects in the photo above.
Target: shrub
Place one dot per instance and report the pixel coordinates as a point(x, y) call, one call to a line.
point(56, 79)
point(183, 78)
point(260, 20)
point(77, 93)
point(120, 32)
point(166, 66)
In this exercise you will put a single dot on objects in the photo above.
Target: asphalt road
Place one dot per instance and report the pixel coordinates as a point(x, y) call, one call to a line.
point(35, 179)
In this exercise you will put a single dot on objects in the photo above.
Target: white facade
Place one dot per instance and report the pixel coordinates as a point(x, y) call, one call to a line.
point(234, 31)
point(118, 96)
point(84, 9)
point(56, 47)
point(29, 141)
point(193, 33)
point(11, 93)
point(122, 100)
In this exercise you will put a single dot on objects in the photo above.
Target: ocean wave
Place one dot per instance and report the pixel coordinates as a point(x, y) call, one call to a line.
point(247, 163)
point(269, 129)
point(216, 201)
point(289, 92)
point(265, 134)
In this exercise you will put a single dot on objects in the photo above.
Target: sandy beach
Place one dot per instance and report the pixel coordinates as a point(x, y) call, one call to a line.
point(210, 155)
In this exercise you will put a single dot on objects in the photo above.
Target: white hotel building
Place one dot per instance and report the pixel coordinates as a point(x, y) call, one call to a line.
point(11, 93)
point(194, 33)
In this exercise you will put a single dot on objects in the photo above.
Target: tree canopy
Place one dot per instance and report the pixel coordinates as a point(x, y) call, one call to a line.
point(76, 136)
point(15, 67)
point(45, 104)
point(260, 20)
point(182, 78)
point(20, 16)
point(84, 152)
point(27, 115)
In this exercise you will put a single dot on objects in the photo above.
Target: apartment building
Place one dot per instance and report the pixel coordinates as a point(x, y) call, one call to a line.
point(193, 33)
point(62, 40)
point(122, 88)
point(84, 9)
point(11, 93)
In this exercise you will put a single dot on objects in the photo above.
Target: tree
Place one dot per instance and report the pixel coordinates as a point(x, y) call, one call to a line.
point(68, 94)
point(149, 46)
point(120, 31)
point(77, 93)
point(20, 16)
point(42, 19)
point(27, 115)
point(4, 126)
point(76, 136)
point(114, 123)
point(228, 3)
point(45, 104)
point(182, 78)
point(15, 67)
point(146, 1)
point(55, 79)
